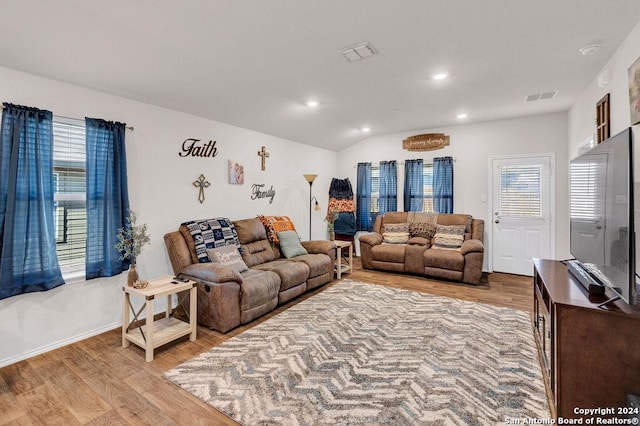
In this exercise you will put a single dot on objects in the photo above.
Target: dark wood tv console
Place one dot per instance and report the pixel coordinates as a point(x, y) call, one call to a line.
point(590, 355)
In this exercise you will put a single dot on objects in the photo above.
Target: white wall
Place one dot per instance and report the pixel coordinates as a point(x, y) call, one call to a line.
point(583, 113)
point(161, 191)
point(471, 146)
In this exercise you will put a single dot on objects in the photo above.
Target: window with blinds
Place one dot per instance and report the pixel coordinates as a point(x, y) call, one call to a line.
point(427, 182)
point(586, 187)
point(521, 191)
point(375, 189)
point(69, 166)
point(427, 187)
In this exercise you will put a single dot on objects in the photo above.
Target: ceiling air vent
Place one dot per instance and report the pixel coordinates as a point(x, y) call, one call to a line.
point(540, 96)
point(359, 51)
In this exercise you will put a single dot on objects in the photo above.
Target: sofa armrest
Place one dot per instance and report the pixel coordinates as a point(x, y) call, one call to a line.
point(318, 247)
point(472, 246)
point(212, 273)
point(371, 238)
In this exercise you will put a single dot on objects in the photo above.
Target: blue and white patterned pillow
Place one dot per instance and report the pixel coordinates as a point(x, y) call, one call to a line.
point(448, 237)
point(211, 233)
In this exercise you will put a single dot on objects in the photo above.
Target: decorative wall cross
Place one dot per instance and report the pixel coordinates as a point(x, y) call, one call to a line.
point(201, 183)
point(264, 154)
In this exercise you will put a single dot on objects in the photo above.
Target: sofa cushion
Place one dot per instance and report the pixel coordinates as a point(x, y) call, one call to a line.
point(318, 264)
point(388, 253)
point(209, 233)
point(291, 273)
point(258, 289)
point(395, 237)
point(419, 241)
point(290, 244)
point(250, 230)
point(422, 229)
point(448, 237)
point(258, 252)
point(212, 273)
point(443, 259)
point(228, 256)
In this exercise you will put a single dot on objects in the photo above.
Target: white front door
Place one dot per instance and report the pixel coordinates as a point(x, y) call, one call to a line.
point(521, 214)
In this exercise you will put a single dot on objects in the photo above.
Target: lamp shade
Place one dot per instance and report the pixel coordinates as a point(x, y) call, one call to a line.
point(310, 178)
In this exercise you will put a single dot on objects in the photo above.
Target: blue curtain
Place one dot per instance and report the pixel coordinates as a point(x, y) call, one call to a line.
point(413, 186)
point(28, 260)
point(107, 196)
point(363, 197)
point(443, 184)
point(388, 201)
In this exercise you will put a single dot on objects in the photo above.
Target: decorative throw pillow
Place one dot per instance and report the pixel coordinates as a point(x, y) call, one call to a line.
point(396, 227)
point(275, 224)
point(211, 233)
point(422, 229)
point(448, 237)
point(290, 244)
point(395, 237)
point(228, 256)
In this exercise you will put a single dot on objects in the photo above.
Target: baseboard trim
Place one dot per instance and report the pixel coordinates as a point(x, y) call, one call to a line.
point(64, 342)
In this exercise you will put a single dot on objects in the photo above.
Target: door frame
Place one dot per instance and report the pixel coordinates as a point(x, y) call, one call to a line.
point(488, 249)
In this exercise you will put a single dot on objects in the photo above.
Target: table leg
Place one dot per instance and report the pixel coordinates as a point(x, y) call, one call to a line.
point(351, 258)
point(339, 262)
point(168, 314)
point(149, 345)
point(125, 319)
point(193, 314)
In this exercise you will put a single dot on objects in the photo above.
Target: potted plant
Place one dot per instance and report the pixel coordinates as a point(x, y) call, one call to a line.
point(131, 239)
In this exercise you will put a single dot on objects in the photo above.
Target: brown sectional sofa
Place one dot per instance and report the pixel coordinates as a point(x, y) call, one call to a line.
point(419, 257)
point(227, 298)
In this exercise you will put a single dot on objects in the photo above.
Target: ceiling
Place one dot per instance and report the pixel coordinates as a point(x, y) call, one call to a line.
point(255, 63)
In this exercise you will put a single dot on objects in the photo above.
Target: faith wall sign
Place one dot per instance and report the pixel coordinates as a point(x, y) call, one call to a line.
point(195, 148)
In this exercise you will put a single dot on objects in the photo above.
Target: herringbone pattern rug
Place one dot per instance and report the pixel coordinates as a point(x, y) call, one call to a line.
point(359, 353)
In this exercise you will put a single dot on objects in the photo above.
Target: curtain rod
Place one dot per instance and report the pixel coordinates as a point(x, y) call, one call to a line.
point(401, 163)
point(76, 119)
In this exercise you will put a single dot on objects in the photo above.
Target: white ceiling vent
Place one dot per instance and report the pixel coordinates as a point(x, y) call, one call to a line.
point(540, 96)
point(359, 51)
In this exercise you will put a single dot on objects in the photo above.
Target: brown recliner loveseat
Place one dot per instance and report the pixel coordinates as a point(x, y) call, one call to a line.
point(418, 256)
point(227, 298)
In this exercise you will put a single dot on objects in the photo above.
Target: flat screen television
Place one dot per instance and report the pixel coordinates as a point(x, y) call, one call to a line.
point(602, 215)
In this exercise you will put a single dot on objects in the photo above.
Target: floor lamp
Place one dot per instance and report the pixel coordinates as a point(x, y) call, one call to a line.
point(310, 179)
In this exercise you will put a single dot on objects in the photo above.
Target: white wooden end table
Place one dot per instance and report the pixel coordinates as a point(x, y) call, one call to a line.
point(344, 259)
point(157, 333)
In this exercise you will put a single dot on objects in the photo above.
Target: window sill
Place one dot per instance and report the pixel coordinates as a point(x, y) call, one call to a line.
point(73, 277)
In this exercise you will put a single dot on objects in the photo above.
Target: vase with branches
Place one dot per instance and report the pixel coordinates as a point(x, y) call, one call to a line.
point(131, 239)
point(331, 218)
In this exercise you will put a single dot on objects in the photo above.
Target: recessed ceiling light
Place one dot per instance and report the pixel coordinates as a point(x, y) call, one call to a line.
point(312, 104)
point(440, 76)
point(366, 129)
point(462, 115)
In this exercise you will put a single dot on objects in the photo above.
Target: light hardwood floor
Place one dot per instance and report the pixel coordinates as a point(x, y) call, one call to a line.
point(97, 381)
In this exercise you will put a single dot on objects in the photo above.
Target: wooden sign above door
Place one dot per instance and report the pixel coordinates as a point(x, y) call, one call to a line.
point(426, 142)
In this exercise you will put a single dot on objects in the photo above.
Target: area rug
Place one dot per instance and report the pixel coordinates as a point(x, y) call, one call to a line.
point(365, 354)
